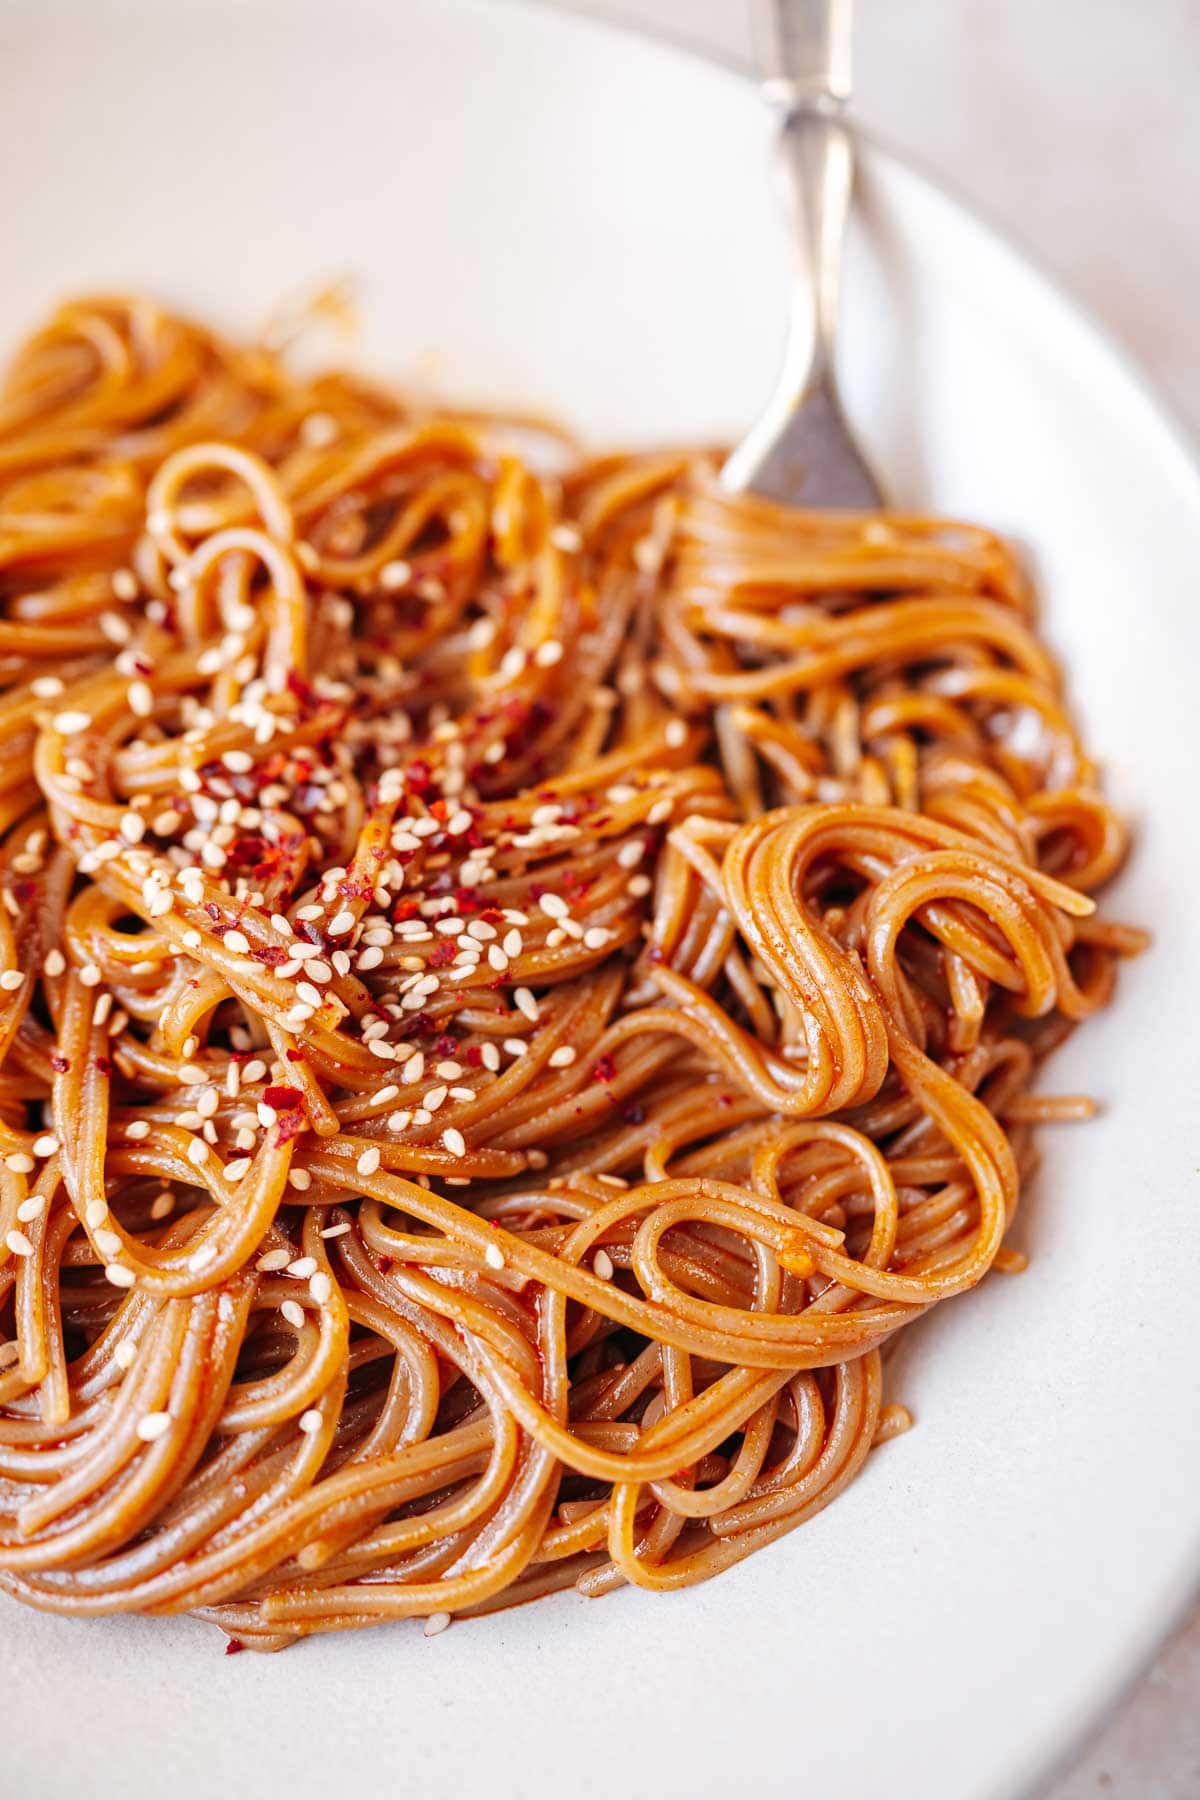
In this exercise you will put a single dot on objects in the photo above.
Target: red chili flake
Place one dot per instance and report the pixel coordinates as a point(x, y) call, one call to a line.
point(293, 1055)
point(212, 909)
point(405, 909)
point(103, 1064)
point(270, 954)
point(422, 1023)
point(633, 1115)
point(654, 954)
point(446, 1045)
point(233, 1645)
point(384, 1265)
point(290, 1124)
point(25, 891)
point(474, 1056)
point(283, 1098)
point(604, 1069)
point(441, 954)
point(419, 777)
point(299, 688)
point(60, 1064)
point(724, 1099)
point(467, 900)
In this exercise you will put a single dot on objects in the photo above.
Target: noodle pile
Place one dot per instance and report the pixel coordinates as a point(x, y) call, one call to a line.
point(513, 988)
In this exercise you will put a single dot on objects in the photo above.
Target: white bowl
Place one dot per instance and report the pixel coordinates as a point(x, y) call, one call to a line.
point(582, 220)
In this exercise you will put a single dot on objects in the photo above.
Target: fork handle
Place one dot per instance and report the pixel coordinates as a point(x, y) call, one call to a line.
point(803, 50)
point(804, 60)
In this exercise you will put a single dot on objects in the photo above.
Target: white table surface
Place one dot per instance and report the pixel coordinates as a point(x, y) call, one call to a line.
point(1074, 125)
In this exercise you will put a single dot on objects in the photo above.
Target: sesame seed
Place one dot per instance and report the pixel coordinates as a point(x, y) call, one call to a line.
point(89, 975)
point(124, 1353)
point(631, 854)
point(436, 1623)
point(140, 698)
point(267, 1116)
point(310, 995)
point(660, 812)
point(414, 1068)
point(108, 1243)
point(513, 943)
point(293, 1312)
point(55, 963)
point(95, 1213)
point(497, 958)
point(489, 1055)
point(272, 1261)
point(47, 687)
point(310, 1421)
point(321, 1288)
point(164, 1205)
point(33, 1208)
point(300, 1179)
point(235, 1170)
point(341, 923)
point(46, 1145)
point(460, 822)
point(137, 1129)
point(18, 1243)
point(394, 575)
point(547, 654)
point(69, 723)
point(565, 536)
point(18, 1162)
point(11, 980)
point(238, 942)
point(554, 906)
point(639, 887)
point(602, 1265)
point(197, 1153)
point(563, 1057)
point(336, 1231)
point(515, 1046)
point(433, 1099)
point(454, 1141)
point(153, 1425)
point(596, 938)
point(119, 1275)
point(303, 1267)
point(368, 1162)
point(676, 734)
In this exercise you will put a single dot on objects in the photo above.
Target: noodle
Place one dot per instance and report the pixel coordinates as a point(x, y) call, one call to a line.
point(515, 986)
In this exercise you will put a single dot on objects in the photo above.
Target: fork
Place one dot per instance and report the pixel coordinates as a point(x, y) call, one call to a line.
point(801, 449)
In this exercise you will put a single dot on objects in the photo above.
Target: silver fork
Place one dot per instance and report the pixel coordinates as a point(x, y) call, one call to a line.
point(800, 450)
